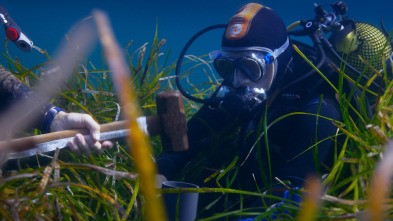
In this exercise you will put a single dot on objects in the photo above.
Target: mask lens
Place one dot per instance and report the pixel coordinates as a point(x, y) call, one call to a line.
point(224, 67)
point(251, 68)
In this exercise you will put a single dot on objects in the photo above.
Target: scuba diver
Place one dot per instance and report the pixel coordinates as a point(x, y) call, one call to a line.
point(51, 118)
point(265, 82)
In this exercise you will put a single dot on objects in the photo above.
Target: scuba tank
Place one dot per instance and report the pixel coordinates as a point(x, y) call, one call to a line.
point(362, 43)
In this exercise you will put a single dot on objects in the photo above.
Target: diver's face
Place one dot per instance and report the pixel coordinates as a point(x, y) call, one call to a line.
point(241, 80)
point(253, 66)
point(245, 67)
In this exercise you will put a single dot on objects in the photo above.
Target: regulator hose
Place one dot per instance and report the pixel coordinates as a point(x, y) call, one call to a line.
point(209, 101)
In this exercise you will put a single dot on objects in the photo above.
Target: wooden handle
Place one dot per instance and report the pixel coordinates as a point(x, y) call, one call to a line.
point(25, 143)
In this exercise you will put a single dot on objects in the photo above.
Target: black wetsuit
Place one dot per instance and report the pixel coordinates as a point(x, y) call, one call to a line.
point(288, 139)
point(12, 90)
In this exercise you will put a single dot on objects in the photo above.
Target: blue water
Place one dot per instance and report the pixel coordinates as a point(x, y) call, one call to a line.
point(47, 21)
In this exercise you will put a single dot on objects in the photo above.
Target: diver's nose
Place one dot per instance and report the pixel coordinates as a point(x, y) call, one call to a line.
point(238, 78)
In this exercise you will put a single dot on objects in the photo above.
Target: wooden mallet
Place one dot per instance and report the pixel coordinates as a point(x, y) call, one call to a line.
point(170, 123)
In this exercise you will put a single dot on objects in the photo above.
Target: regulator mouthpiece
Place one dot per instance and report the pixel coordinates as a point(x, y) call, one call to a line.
point(249, 92)
point(258, 94)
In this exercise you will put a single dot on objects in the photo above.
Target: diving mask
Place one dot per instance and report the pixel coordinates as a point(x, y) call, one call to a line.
point(252, 61)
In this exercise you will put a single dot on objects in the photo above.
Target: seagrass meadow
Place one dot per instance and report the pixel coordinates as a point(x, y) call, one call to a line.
point(113, 185)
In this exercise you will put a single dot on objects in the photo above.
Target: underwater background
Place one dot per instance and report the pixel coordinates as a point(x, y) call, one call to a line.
point(47, 21)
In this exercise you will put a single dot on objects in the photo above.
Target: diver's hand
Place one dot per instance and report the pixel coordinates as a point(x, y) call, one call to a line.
point(80, 144)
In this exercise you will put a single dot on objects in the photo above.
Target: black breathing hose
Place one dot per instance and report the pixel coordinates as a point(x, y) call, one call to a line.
point(180, 60)
point(322, 61)
point(319, 43)
point(310, 73)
